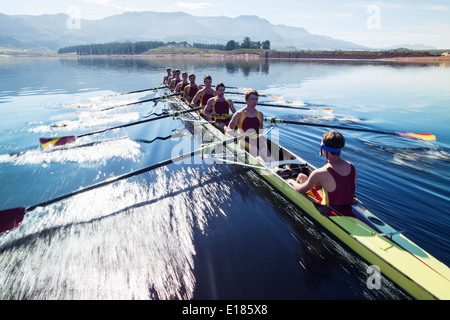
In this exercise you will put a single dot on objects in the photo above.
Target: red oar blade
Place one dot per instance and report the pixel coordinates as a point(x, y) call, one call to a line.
point(417, 136)
point(11, 218)
point(56, 142)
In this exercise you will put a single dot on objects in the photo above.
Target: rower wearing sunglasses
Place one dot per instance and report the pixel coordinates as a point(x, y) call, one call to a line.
point(337, 178)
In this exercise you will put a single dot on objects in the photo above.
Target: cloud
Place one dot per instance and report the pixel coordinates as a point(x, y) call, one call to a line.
point(194, 5)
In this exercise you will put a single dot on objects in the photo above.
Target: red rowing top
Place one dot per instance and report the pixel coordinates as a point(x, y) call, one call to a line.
point(345, 187)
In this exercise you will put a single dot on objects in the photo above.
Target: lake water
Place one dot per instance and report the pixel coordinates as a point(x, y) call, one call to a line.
point(206, 231)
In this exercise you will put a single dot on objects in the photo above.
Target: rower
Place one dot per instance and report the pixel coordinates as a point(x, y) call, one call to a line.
point(191, 89)
point(337, 178)
point(249, 121)
point(175, 80)
point(166, 78)
point(202, 96)
point(170, 77)
point(182, 84)
point(218, 108)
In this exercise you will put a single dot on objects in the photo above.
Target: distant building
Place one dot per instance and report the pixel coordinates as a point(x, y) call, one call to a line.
point(445, 54)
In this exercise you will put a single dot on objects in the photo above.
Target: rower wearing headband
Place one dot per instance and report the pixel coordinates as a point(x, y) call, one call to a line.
point(337, 178)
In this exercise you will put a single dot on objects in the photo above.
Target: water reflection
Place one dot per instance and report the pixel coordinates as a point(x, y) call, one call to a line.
point(197, 64)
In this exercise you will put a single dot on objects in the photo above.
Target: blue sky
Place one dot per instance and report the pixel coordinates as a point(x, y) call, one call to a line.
point(372, 23)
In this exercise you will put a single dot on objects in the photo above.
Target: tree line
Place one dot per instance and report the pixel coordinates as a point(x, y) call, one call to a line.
point(130, 48)
point(112, 48)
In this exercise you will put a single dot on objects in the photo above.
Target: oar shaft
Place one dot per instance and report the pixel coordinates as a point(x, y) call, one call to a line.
point(241, 94)
point(175, 114)
point(274, 120)
point(275, 105)
point(12, 218)
point(152, 99)
point(137, 172)
point(136, 91)
point(118, 178)
point(426, 136)
point(141, 101)
point(144, 90)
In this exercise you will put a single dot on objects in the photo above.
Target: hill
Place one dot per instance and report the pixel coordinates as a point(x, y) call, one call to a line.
point(56, 31)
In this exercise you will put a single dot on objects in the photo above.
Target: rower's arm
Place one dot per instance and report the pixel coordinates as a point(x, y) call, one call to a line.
point(185, 92)
point(230, 130)
point(195, 99)
point(172, 84)
point(232, 108)
point(313, 180)
point(208, 108)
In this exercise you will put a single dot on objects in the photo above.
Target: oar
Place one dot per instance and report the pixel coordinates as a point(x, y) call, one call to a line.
point(237, 88)
point(60, 141)
point(130, 92)
point(142, 101)
point(12, 218)
point(286, 106)
point(261, 94)
point(177, 134)
point(137, 102)
point(417, 136)
point(138, 91)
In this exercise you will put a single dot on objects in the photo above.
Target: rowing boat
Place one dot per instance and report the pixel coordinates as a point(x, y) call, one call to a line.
point(398, 258)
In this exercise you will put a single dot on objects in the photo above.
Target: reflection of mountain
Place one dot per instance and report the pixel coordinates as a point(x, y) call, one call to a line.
point(246, 66)
point(55, 31)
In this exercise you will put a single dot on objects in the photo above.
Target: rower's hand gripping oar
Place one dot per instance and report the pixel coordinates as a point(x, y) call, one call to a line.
point(60, 141)
point(416, 136)
point(12, 218)
point(286, 106)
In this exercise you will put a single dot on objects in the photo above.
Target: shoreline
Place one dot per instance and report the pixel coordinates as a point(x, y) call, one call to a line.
point(442, 60)
point(436, 59)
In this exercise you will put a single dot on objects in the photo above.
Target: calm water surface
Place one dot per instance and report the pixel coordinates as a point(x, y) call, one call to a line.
point(206, 231)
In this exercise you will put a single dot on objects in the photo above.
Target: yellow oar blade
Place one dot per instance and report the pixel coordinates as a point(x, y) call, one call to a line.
point(55, 142)
point(417, 136)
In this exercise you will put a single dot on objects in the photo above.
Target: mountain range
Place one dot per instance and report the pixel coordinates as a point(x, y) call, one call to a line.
point(60, 30)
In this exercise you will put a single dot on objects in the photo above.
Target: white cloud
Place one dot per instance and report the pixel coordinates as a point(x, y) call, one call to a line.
point(194, 5)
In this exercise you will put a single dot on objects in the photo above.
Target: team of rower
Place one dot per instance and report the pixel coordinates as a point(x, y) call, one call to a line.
point(337, 178)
